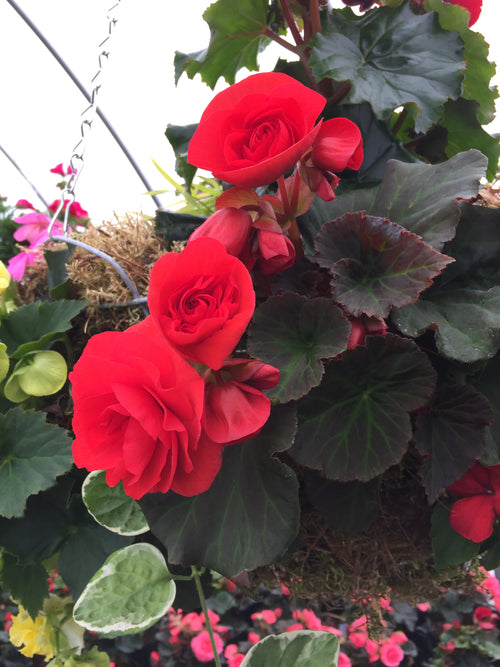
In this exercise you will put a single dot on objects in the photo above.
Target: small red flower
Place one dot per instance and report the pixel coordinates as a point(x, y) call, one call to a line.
point(485, 618)
point(474, 514)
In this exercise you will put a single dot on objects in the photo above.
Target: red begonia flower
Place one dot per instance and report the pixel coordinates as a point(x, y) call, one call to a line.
point(235, 407)
point(338, 146)
point(472, 6)
point(473, 515)
point(137, 414)
point(202, 299)
point(254, 131)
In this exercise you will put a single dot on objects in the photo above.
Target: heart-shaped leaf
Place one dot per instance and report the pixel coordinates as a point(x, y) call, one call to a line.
point(298, 648)
point(448, 546)
point(451, 434)
point(376, 264)
point(393, 57)
point(247, 518)
point(467, 321)
point(356, 423)
point(293, 334)
point(111, 507)
point(131, 591)
point(34, 325)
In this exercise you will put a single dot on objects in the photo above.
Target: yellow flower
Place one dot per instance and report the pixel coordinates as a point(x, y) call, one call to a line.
point(36, 635)
point(4, 278)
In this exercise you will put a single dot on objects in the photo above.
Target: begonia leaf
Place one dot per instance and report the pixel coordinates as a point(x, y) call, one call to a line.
point(297, 648)
point(179, 137)
point(356, 423)
point(448, 546)
point(461, 121)
point(85, 547)
point(176, 226)
point(131, 591)
point(488, 384)
point(466, 321)
point(32, 454)
point(247, 518)
point(293, 334)
point(358, 501)
point(479, 71)
point(111, 507)
point(392, 57)
point(237, 36)
point(375, 263)
point(476, 248)
point(34, 325)
point(26, 583)
point(451, 435)
point(423, 197)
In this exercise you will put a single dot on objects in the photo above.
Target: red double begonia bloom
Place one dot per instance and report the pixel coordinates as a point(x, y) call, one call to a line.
point(472, 6)
point(202, 300)
point(235, 407)
point(473, 515)
point(338, 146)
point(254, 131)
point(137, 414)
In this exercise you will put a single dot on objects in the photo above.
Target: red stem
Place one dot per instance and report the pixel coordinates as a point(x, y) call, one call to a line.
point(315, 18)
point(291, 22)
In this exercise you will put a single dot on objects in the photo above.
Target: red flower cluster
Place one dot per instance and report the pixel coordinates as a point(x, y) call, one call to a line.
point(142, 412)
point(473, 516)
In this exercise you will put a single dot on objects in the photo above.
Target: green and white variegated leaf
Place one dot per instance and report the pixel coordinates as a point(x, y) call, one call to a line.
point(299, 648)
point(111, 507)
point(128, 594)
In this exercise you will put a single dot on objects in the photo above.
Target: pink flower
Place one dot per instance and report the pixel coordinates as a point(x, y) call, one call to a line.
point(485, 618)
point(17, 264)
point(77, 211)
point(344, 660)
point(58, 169)
point(398, 637)
point(202, 648)
point(253, 638)
point(423, 606)
point(391, 654)
point(233, 658)
point(473, 515)
point(295, 626)
point(358, 639)
point(34, 228)
point(24, 203)
point(308, 618)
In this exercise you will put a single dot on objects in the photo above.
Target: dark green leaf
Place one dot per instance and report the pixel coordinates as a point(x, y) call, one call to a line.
point(467, 321)
point(393, 57)
point(465, 131)
point(57, 275)
point(176, 226)
point(38, 534)
point(34, 325)
point(356, 423)
point(488, 385)
point(86, 548)
point(293, 334)
point(249, 515)
point(32, 454)
point(25, 583)
point(491, 559)
point(423, 197)
point(236, 38)
point(347, 506)
point(179, 137)
point(451, 434)
point(448, 546)
point(479, 70)
point(476, 248)
point(376, 264)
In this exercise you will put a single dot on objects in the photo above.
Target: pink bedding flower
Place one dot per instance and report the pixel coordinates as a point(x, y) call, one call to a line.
point(202, 648)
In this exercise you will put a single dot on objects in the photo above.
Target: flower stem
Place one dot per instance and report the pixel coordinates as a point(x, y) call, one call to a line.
point(315, 18)
point(291, 22)
point(203, 602)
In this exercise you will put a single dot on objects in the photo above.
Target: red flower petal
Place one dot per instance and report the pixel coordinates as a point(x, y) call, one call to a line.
point(473, 517)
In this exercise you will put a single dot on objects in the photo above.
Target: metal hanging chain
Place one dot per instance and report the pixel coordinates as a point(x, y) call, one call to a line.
point(76, 164)
point(84, 92)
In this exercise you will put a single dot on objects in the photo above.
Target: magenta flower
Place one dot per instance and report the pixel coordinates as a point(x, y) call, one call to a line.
point(202, 648)
point(34, 228)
